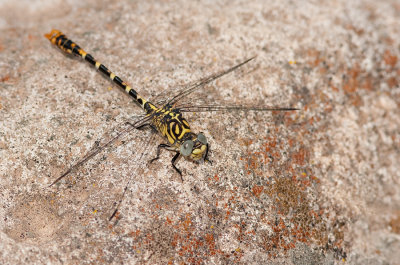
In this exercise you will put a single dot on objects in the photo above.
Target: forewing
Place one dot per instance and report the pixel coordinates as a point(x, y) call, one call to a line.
point(209, 108)
point(118, 132)
point(186, 90)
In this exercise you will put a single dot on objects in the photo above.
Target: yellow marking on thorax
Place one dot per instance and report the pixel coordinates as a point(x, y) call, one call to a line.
point(127, 89)
point(185, 131)
point(97, 65)
point(169, 130)
point(180, 130)
point(170, 139)
point(112, 76)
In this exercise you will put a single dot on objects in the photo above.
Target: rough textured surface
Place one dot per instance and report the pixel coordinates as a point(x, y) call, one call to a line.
point(320, 185)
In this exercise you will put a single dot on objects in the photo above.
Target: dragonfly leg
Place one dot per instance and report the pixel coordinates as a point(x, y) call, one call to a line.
point(132, 125)
point(176, 156)
point(140, 127)
point(159, 151)
point(174, 159)
point(206, 156)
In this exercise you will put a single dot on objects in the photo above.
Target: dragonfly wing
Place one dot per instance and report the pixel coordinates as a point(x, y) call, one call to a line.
point(191, 87)
point(209, 108)
point(140, 158)
point(118, 132)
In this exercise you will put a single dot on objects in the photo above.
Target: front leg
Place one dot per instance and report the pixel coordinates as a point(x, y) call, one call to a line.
point(174, 159)
point(176, 156)
point(206, 156)
point(159, 151)
point(143, 126)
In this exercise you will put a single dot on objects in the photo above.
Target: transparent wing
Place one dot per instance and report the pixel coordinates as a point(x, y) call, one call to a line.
point(140, 158)
point(191, 87)
point(118, 132)
point(208, 108)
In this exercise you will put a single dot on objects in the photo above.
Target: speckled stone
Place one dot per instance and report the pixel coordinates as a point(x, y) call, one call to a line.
point(316, 186)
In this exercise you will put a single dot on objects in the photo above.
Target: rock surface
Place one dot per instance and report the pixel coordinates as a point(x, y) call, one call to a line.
point(315, 186)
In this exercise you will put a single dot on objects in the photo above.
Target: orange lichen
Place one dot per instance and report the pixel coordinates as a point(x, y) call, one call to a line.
point(351, 83)
point(315, 57)
point(210, 243)
point(389, 58)
point(295, 220)
point(300, 156)
point(257, 190)
point(392, 82)
point(4, 78)
point(395, 224)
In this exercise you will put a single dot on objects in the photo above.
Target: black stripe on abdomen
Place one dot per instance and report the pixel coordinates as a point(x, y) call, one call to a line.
point(89, 58)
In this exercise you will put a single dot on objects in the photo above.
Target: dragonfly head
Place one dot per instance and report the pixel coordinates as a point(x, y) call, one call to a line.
point(195, 148)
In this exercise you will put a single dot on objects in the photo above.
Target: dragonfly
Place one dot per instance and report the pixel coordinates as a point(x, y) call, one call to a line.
point(167, 118)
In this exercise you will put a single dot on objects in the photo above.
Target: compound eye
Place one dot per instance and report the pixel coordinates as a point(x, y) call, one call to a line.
point(202, 138)
point(187, 147)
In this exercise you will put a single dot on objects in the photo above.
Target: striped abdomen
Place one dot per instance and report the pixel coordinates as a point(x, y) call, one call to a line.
point(67, 45)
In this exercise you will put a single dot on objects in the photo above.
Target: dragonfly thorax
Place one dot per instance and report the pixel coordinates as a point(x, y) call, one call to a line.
point(171, 124)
